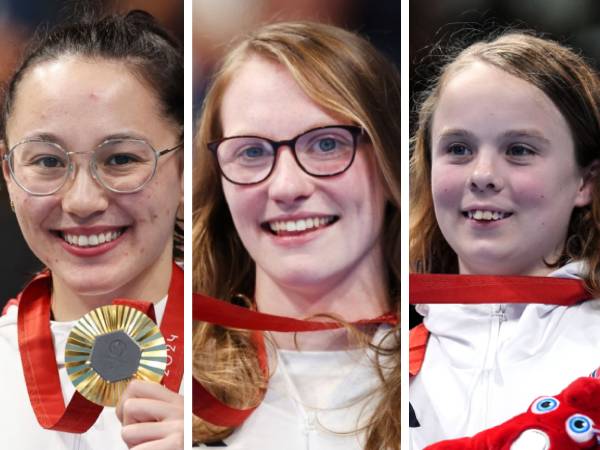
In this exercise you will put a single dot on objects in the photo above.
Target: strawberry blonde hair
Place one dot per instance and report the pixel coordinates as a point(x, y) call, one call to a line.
point(344, 74)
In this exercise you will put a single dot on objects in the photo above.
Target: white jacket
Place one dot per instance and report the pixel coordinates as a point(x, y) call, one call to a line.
point(486, 363)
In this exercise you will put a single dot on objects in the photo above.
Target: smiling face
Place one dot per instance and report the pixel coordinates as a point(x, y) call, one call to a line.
point(94, 241)
point(504, 176)
point(303, 232)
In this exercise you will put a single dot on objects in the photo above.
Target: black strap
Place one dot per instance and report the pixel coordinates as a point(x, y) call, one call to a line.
point(413, 422)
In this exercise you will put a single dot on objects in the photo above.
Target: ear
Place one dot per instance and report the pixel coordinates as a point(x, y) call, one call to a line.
point(5, 169)
point(588, 180)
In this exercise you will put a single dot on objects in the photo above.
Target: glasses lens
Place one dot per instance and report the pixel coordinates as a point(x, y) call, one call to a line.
point(39, 167)
point(245, 159)
point(124, 165)
point(325, 151)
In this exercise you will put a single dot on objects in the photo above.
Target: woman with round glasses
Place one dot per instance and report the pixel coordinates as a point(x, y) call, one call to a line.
point(297, 214)
point(92, 124)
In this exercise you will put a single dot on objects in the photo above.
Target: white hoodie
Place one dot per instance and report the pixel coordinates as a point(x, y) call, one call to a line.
point(486, 363)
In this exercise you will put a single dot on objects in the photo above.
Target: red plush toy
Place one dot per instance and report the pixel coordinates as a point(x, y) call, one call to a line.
point(564, 422)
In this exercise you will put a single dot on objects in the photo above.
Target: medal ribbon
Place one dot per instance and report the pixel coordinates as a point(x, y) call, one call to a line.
point(207, 309)
point(471, 289)
point(39, 361)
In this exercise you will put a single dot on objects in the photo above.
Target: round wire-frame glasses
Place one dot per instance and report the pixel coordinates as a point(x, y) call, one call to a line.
point(320, 152)
point(123, 166)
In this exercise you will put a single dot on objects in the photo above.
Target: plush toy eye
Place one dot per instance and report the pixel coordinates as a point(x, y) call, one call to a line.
point(580, 428)
point(544, 405)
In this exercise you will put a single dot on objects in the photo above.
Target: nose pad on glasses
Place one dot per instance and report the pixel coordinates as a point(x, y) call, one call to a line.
point(83, 194)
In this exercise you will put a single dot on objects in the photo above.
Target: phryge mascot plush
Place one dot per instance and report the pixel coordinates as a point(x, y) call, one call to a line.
point(567, 421)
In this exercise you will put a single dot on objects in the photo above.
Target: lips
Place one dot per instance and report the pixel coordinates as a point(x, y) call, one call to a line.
point(289, 227)
point(486, 215)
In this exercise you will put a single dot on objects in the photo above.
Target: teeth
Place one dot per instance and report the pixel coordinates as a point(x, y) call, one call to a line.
point(300, 225)
point(91, 240)
point(486, 215)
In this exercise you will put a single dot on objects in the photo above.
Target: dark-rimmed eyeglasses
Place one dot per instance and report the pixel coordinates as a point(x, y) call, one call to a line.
point(124, 166)
point(320, 152)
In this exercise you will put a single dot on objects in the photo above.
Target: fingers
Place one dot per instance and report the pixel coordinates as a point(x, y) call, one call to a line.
point(168, 443)
point(157, 435)
point(144, 401)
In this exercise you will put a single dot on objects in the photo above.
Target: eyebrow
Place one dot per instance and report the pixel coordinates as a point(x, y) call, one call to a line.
point(457, 133)
point(315, 126)
point(528, 132)
point(519, 133)
point(51, 137)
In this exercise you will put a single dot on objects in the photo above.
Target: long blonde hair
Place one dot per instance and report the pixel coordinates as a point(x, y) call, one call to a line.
point(573, 87)
point(344, 74)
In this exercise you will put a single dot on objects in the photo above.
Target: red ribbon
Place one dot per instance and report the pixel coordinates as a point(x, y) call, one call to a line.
point(207, 309)
point(39, 361)
point(219, 312)
point(437, 288)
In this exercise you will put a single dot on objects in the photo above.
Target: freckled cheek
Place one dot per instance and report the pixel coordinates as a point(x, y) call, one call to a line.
point(447, 187)
point(32, 211)
point(245, 204)
point(532, 191)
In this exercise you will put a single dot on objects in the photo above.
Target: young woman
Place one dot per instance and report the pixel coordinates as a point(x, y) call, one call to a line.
point(297, 214)
point(504, 182)
point(92, 133)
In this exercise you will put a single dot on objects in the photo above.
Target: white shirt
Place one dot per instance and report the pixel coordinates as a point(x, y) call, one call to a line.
point(19, 428)
point(486, 363)
point(316, 400)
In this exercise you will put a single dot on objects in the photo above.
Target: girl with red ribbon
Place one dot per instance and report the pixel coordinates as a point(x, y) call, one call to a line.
point(91, 138)
point(504, 182)
point(297, 217)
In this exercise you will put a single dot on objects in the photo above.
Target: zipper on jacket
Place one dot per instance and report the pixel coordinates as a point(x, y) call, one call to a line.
point(497, 316)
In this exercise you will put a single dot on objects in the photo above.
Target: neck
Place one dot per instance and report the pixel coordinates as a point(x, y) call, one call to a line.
point(361, 294)
point(540, 270)
point(151, 285)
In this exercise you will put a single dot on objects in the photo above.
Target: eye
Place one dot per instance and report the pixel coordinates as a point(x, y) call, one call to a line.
point(544, 405)
point(120, 159)
point(252, 152)
point(520, 151)
point(48, 162)
point(459, 150)
point(580, 428)
point(327, 144)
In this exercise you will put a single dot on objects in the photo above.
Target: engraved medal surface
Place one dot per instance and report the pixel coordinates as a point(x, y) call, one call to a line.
point(108, 347)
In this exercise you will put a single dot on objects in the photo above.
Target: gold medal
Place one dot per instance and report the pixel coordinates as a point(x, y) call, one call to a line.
point(108, 347)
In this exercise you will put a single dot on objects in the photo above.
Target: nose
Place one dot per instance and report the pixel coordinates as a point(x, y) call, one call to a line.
point(82, 195)
point(289, 184)
point(485, 175)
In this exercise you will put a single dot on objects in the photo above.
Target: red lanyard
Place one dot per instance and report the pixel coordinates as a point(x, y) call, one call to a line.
point(207, 309)
point(39, 360)
point(471, 289)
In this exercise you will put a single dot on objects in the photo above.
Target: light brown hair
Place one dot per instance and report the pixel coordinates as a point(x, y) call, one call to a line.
point(344, 74)
point(572, 85)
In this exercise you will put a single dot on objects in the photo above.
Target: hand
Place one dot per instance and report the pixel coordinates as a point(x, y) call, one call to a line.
point(152, 417)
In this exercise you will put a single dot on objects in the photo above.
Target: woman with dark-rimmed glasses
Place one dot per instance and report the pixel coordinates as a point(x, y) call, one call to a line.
point(296, 207)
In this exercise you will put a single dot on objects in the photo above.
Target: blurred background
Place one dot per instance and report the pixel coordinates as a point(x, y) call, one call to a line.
point(217, 22)
point(437, 25)
point(18, 20)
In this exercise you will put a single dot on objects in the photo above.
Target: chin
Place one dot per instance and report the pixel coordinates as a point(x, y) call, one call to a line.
point(492, 263)
point(89, 283)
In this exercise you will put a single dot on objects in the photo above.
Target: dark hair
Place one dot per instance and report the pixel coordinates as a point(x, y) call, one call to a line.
point(135, 38)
